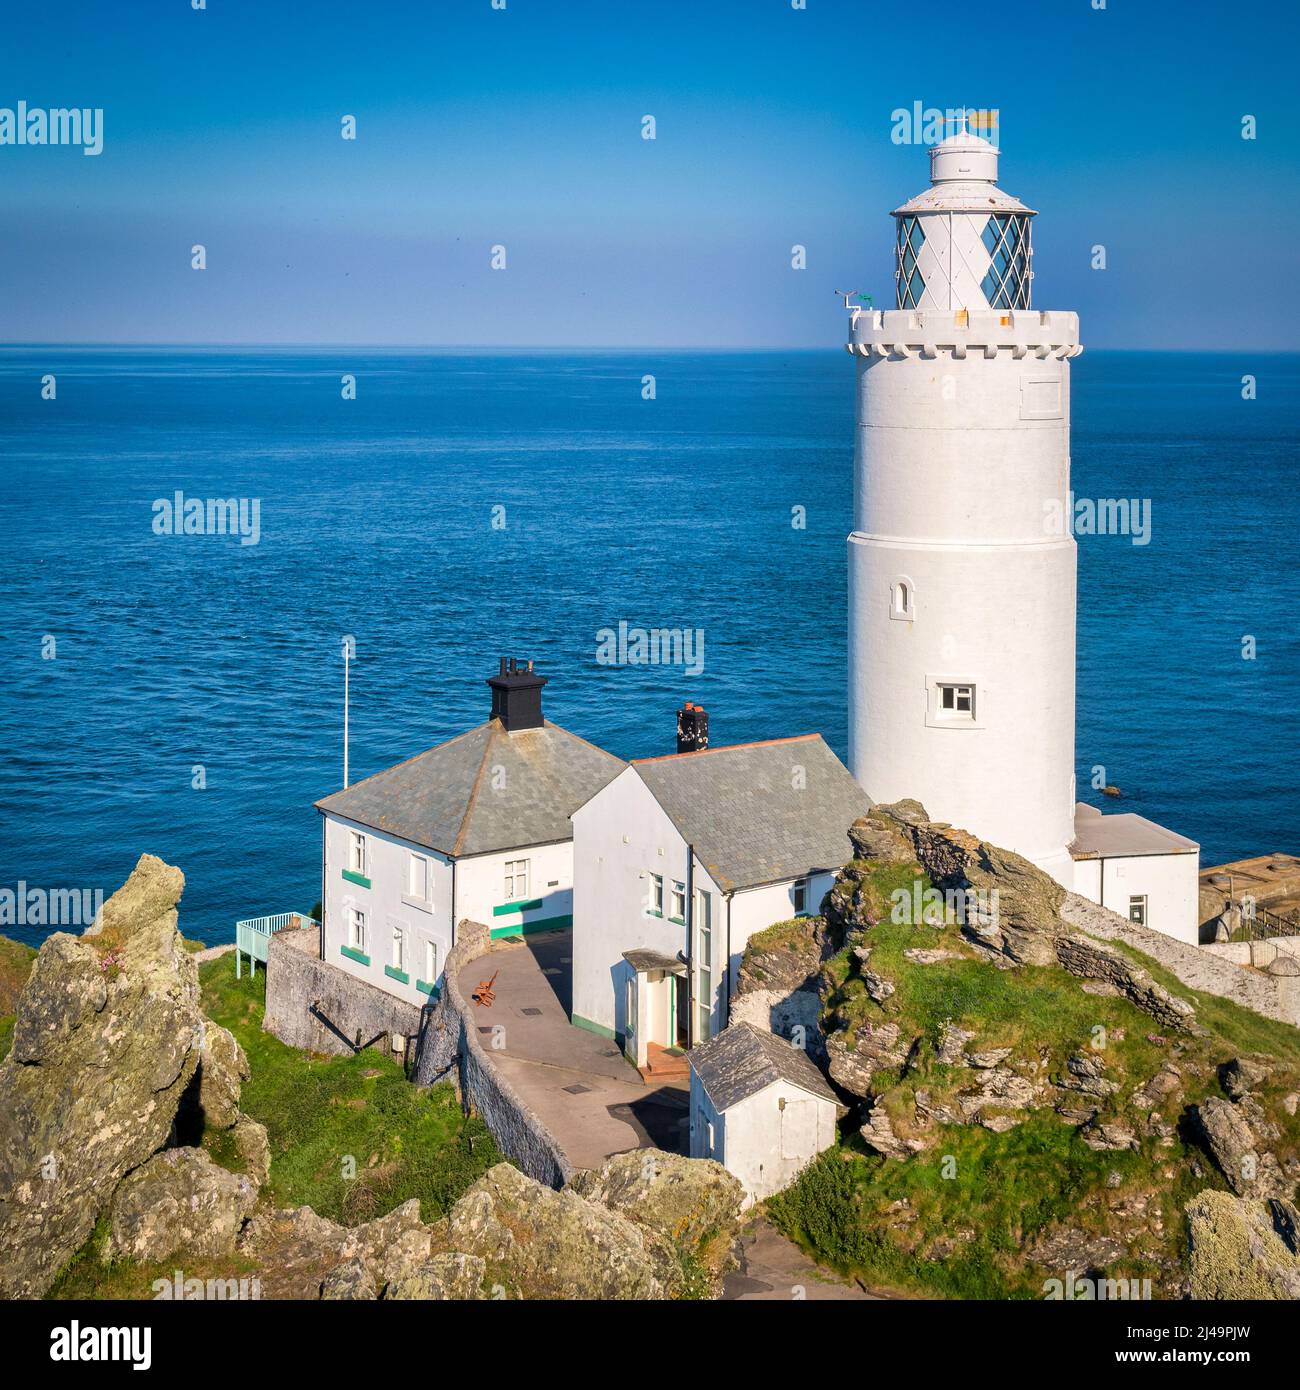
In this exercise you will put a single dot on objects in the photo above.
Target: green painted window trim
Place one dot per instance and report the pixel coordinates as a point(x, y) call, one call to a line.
point(356, 878)
point(650, 912)
point(353, 954)
point(394, 973)
point(425, 987)
point(526, 905)
point(537, 924)
point(681, 921)
point(580, 1022)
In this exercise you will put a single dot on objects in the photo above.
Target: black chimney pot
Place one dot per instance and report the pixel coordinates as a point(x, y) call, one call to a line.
point(692, 728)
point(517, 696)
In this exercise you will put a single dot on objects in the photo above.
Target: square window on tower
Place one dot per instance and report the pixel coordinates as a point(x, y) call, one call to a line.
point(956, 701)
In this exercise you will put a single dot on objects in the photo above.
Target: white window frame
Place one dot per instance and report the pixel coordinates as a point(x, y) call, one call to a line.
point(902, 600)
point(357, 929)
point(655, 897)
point(937, 717)
point(516, 871)
point(358, 852)
point(799, 895)
point(678, 914)
point(1138, 900)
point(430, 962)
point(705, 975)
point(412, 892)
point(399, 947)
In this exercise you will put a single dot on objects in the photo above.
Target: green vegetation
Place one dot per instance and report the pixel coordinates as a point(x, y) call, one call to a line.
point(955, 1219)
point(15, 965)
point(331, 1117)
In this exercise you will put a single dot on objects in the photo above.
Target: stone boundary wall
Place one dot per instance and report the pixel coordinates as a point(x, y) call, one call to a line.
point(314, 1005)
point(1198, 967)
point(450, 1043)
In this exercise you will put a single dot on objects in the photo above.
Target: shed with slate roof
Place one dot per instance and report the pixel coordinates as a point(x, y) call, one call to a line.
point(759, 1107)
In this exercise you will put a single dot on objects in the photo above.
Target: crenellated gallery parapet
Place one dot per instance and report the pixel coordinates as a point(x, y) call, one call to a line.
point(1037, 333)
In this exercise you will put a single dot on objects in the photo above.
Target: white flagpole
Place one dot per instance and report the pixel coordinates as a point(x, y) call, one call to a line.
point(347, 652)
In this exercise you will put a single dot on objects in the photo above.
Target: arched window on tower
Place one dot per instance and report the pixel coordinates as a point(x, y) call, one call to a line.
point(901, 600)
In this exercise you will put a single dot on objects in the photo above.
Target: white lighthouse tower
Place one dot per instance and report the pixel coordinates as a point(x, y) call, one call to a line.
point(961, 574)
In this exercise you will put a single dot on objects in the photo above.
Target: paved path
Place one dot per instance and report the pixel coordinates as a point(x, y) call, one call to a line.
point(582, 1087)
point(774, 1269)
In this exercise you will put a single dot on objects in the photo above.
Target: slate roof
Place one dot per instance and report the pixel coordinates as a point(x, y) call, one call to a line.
point(743, 1059)
point(748, 819)
point(453, 800)
point(1101, 836)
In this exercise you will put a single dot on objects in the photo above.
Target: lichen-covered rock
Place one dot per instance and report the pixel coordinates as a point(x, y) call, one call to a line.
point(1085, 1072)
point(691, 1204)
point(878, 1133)
point(1243, 1074)
point(223, 1068)
point(856, 1055)
point(253, 1147)
point(447, 1277)
point(550, 1244)
point(1067, 1248)
point(779, 982)
point(351, 1280)
point(105, 1043)
point(1234, 1147)
point(179, 1201)
point(1243, 1248)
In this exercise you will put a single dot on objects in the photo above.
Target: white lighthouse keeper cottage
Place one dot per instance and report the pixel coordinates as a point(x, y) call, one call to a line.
point(961, 578)
point(476, 828)
point(680, 859)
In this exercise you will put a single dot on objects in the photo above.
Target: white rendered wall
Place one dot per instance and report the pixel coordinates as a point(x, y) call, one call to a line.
point(386, 904)
point(761, 1143)
point(959, 457)
point(610, 894)
point(481, 894)
point(1169, 882)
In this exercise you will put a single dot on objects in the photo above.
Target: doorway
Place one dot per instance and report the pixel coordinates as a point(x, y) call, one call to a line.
point(681, 1011)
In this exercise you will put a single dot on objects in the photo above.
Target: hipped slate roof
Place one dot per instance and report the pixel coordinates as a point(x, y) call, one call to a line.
point(743, 1059)
point(759, 812)
point(484, 791)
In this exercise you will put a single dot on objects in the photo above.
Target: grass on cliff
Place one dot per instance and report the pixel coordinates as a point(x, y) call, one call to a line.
point(15, 965)
point(350, 1136)
point(955, 1220)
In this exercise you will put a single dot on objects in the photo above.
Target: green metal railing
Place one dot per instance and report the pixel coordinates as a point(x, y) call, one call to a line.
point(253, 936)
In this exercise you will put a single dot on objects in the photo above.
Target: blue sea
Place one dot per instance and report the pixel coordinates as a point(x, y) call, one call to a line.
point(468, 506)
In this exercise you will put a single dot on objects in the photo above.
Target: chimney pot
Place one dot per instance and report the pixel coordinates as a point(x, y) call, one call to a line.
point(517, 696)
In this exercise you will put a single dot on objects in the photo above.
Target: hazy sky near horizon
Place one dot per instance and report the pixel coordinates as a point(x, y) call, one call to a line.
point(522, 127)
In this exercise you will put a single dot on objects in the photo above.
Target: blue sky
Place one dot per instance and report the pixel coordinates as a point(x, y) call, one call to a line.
point(522, 127)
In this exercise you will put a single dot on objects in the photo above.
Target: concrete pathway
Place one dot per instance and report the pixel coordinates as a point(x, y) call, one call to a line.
point(774, 1269)
point(582, 1087)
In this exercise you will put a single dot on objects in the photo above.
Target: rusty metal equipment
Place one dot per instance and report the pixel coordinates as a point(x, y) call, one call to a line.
point(484, 994)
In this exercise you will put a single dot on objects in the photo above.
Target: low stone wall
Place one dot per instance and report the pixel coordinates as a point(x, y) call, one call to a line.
point(1262, 954)
point(449, 1046)
point(1199, 967)
point(314, 1005)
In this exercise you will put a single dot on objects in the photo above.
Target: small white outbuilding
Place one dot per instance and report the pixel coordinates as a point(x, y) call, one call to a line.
point(759, 1107)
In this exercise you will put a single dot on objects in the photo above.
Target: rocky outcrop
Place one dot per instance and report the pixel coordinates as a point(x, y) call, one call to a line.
point(878, 1134)
point(550, 1244)
point(107, 1039)
point(446, 1277)
point(686, 1202)
point(179, 1201)
point(857, 1054)
point(778, 984)
point(1237, 1151)
point(1243, 1248)
point(1092, 960)
point(223, 1068)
